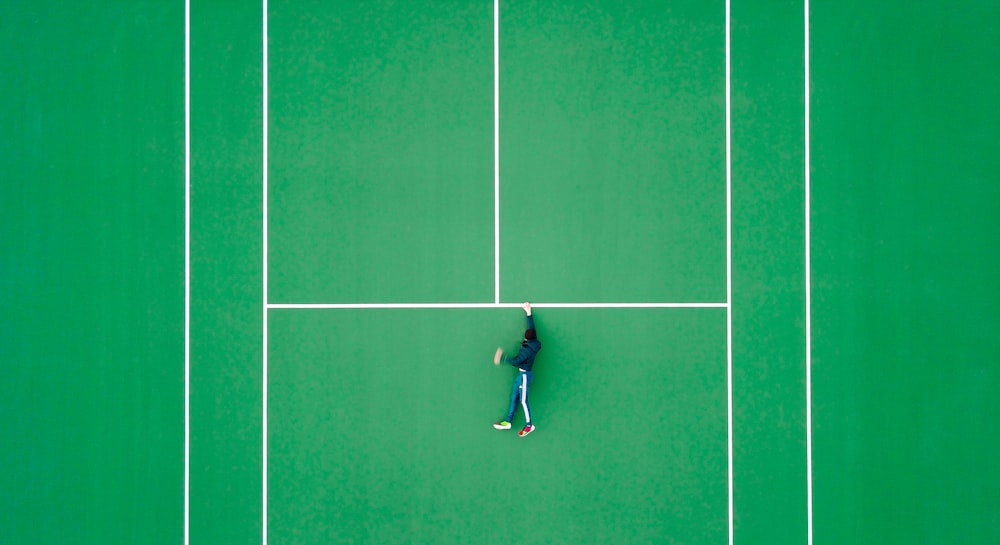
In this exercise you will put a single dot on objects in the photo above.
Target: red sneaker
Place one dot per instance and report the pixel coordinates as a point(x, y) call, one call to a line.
point(527, 429)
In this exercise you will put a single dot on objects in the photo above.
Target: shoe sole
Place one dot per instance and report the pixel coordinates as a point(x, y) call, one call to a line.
point(500, 427)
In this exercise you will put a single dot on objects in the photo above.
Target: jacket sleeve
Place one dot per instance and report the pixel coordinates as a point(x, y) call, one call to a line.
point(531, 322)
point(520, 358)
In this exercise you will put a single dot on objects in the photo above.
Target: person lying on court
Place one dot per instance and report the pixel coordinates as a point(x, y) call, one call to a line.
point(524, 360)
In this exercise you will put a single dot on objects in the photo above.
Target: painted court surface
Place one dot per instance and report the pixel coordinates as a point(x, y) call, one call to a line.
point(251, 293)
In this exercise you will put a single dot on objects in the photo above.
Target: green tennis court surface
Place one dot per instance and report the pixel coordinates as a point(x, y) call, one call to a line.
point(391, 442)
point(321, 372)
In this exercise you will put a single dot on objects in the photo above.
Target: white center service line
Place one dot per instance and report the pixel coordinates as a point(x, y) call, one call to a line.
point(496, 151)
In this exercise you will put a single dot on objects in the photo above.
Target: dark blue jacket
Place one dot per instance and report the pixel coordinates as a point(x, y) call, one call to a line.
point(525, 357)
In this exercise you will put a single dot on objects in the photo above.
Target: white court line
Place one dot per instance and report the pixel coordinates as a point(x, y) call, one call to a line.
point(187, 271)
point(808, 229)
point(729, 279)
point(264, 310)
point(486, 305)
point(496, 151)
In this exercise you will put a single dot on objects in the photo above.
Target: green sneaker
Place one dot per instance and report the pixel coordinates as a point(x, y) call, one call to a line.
point(502, 425)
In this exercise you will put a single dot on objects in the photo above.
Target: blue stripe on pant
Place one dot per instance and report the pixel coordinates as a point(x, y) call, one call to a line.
point(520, 393)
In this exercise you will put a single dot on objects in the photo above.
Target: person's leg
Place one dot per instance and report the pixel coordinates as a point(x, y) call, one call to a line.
point(525, 381)
point(515, 395)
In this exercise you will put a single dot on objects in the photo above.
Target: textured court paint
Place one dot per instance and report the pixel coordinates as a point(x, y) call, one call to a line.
point(769, 274)
point(613, 151)
point(381, 428)
point(91, 256)
point(226, 246)
point(381, 156)
point(92, 272)
point(906, 215)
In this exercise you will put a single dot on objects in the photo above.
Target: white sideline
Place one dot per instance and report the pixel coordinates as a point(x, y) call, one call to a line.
point(808, 286)
point(187, 271)
point(265, 282)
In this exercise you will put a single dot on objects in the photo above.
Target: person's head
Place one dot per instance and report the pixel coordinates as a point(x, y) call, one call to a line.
point(530, 335)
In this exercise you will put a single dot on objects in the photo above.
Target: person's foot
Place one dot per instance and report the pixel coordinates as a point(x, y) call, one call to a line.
point(502, 425)
point(527, 429)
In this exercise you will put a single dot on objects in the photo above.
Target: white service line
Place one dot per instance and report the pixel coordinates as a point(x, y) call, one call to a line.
point(486, 305)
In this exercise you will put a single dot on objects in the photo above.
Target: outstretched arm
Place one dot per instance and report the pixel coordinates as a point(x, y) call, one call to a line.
point(515, 360)
point(498, 356)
